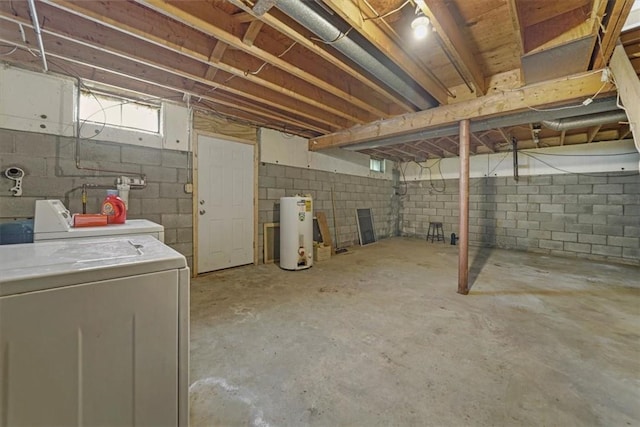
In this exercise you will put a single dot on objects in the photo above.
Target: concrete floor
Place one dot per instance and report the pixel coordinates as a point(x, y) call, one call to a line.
point(378, 336)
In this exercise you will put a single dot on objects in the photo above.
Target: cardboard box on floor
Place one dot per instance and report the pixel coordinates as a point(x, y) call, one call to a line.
point(321, 252)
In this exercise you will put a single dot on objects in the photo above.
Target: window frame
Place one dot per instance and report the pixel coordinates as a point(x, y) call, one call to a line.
point(102, 118)
point(380, 162)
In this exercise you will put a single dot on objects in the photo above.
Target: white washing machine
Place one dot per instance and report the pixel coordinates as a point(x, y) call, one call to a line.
point(94, 332)
point(53, 221)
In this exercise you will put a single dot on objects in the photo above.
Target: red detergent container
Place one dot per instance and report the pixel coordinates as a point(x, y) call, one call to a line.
point(113, 207)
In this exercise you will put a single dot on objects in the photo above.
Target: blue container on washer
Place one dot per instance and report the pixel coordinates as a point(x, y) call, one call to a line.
point(16, 232)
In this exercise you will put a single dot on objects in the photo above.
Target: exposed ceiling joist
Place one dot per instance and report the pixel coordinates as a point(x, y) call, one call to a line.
point(184, 13)
point(504, 135)
point(271, 67)
point(324, 53)
point(111, 77)
point(444, 150)
point(74, 48)
point(215, 57)
point(534, 96)
point(616, 16)
point(428, 151)
point(517, 27)
point(361, 99)
point(252, 32)
point(350, 12)
point(454, 43)
point(244, 17)
point(592, 132)
point(480, 141)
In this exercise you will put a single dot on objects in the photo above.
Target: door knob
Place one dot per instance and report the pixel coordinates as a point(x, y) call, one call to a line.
point(202, 211)
point(202, 202)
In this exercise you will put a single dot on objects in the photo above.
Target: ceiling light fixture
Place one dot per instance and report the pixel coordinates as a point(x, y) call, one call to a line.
point(420, 26)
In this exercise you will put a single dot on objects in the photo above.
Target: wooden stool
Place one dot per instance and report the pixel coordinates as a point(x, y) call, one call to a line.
point(435, 231)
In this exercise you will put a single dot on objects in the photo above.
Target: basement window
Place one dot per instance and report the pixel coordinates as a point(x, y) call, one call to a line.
point(119, 112)
point(376, 165)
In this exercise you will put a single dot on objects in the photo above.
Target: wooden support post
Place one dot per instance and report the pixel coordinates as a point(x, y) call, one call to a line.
point(463, 251)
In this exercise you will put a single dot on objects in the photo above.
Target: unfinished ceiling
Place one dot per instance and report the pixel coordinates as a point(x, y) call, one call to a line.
point(315, 68)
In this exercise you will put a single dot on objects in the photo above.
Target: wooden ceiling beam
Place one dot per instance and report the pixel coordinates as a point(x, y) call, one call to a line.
point(592, 132)
point(252, 32)
point(454, 43)
point(403, 148)
point(216, 55)
point(110, 77)
point(361, 99)
point(350, 12)
point(325, 53)
point(504, 135)
point(187, 13)
point(554, 92)
point(614, 22)
point(516, 23)
point(243, 17)
point(439, 151)
point(72, 48)
point(624, 131)
point(270, 77)
point(630, 37)
point(405, 156)
point(130, 49)
point(454, 141)
point(633, 50)
point(430, 153)
point(270, 112)
point(99, 15)
point(563, 134)
point(483, 143)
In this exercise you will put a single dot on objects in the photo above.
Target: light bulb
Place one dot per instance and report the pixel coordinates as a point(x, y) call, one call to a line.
point(420, 26)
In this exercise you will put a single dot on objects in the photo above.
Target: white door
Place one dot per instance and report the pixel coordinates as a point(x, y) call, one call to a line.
point(225, 203)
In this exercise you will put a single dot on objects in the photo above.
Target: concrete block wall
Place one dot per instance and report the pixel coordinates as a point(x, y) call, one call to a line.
point(49, 164)
point(351, 192)
point(594, 216)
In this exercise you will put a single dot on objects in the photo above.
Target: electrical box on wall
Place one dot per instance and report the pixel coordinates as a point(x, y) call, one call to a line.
point(176, 122)
point(36, 102)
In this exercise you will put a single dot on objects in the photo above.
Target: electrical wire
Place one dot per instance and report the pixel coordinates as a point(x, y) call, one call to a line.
point(571, 172)
point(10, 52)
point(384, 15)
point(337, 39)
point(430, 179)
point(246, 73)
point(403, 181)
point(599, 36)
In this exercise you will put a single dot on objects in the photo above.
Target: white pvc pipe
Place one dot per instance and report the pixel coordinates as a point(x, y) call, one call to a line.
point(36, 28)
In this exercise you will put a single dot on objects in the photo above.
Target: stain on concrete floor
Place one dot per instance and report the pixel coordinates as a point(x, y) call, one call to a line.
point(378, 336)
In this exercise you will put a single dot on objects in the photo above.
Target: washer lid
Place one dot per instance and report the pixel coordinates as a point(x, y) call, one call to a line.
point(45, 265)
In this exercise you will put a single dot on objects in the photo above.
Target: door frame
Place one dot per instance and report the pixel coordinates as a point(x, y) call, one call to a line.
point(256, 157)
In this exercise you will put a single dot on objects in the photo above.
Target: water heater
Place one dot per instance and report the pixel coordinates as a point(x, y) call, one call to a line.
point(296, 232)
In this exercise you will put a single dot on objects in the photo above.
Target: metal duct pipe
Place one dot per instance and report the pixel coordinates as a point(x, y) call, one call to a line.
point(585, 121)
point(598, 108)
point(308, 18)
point(36, 28)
